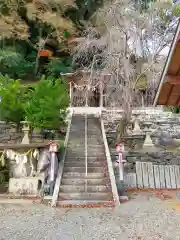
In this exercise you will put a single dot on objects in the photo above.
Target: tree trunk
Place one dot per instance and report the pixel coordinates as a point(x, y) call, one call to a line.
point(39, 48)
point(121, 129)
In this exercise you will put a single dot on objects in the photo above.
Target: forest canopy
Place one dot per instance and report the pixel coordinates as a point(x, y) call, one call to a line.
point(28, 26)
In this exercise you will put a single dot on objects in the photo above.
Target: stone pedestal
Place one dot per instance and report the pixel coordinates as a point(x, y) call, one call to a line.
point(25, 186)
point(148, 141)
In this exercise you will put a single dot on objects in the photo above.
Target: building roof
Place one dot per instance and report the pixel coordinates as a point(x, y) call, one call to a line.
point(168, 92)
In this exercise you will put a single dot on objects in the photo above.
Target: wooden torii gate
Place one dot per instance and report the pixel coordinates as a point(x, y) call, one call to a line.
point(168, 92)
point(81, 90)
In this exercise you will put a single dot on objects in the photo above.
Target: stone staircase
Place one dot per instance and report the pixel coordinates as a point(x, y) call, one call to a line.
point(77, 187)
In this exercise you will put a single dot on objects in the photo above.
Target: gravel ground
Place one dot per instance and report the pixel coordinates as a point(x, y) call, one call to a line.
point(143, 217)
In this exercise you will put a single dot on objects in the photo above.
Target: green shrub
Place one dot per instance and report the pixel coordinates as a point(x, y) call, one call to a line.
point(44, 105)
point(57, 66)
point(14, 63)
point(47, 104)
point(12, 100)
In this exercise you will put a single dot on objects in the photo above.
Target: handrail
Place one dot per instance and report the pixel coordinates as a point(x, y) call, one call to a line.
point(61, 166)
point(110, 166)
point(86, 143)
point(86, 149)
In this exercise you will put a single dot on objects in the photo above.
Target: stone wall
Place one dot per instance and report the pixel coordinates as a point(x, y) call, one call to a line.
point(9, 133)
point(163, 123)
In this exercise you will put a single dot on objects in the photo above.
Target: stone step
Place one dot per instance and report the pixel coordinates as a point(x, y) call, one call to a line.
point(98, 148)
point(91, 159)
point(73, 157)
point(107, 196)
point(83, 175)
point(76, 137)
point(75, 125)
point(78, 123)
point(93, 121)
point(78, 141)
point(100, 155)
point(98, 143)
point(81, 181)
point(95, 140)
point(84, 188)
point(92, 128)
point(78, 120)
point(77, 115)
point(82, 164)
point(76, 131)
point(79, 133)
point(75, 128)
point(83, 169)
point(76, 149)
point(90, 149)
point(82, 147)
point(85, 204)
point(74, 163)
point(94, 132)
point(82, 154)
point(93, 146)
